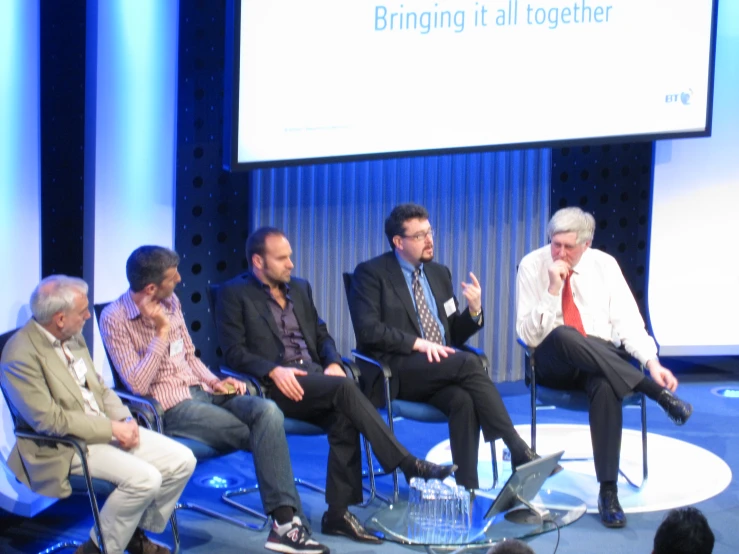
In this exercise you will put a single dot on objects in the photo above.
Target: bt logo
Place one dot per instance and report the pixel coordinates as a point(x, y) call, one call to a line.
point(683, 97)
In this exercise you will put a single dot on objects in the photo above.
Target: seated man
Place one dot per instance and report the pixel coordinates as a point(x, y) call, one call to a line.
point(574, 306)
point(405, 314)
point(148, 341)
point(52, 386)
point(684, 531)
point(268, 326)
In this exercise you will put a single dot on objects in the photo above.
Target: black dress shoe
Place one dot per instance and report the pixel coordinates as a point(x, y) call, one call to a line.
point(429, 470)
point(677, 410)
point(347, 525)
point(526, 455)
point(610, 510)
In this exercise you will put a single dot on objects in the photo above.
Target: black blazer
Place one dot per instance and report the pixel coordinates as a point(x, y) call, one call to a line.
point(384, 316)
point(248, 334)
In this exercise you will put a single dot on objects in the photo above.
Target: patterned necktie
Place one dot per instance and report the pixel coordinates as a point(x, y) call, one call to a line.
point(428, 324)
point(570, 313)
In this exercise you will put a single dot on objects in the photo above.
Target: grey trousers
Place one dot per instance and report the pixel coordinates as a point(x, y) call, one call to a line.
point(149, 480)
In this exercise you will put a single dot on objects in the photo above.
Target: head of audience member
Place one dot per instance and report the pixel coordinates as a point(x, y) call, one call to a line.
point(59, 304)
point(410, 234)
point(152, 271)
point(510, 546)
point(570, 233)
point(684, 531)
point(269, 252)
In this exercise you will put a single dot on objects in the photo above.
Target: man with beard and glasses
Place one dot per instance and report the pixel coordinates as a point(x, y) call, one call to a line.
point(405, 313)
point(148, 341)
point(268, 326)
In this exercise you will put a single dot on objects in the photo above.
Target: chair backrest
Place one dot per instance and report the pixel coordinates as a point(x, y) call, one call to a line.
point(117, 381)
point(212, 292)
point(347, 277)
point(4, 338)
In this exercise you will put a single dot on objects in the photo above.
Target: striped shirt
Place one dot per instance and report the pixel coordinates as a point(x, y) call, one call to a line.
point(144, 361)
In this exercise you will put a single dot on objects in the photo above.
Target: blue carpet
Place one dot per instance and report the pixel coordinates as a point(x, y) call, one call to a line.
point(712, 426)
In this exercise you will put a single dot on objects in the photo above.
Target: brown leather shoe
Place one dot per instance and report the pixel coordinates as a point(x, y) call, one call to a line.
point(141, 544)
point(348, 526)
point(87, 547)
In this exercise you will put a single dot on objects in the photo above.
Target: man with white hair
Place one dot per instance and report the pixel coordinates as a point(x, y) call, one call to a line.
point(575, 307)
point(52, 387)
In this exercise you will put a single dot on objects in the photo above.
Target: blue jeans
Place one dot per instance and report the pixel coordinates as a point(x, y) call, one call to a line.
point(250, 423)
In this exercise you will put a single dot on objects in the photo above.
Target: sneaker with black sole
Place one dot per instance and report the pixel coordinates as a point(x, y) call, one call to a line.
point(293, 538)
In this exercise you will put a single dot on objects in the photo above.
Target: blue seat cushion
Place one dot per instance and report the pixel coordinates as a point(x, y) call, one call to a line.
point(200, 450)
point(418, 411)
point(575, 400)
point(299, 427)
point(99, 486)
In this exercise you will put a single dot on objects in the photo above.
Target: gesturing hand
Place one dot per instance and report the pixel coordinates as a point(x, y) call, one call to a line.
point(473, 293)
point(434, 351)
point(284, 378)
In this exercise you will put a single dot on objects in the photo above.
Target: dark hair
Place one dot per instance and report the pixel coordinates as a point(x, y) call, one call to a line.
point(511, 546)
point(148, 264)
point(684, 531)
point(255, 244)
point(397, 218)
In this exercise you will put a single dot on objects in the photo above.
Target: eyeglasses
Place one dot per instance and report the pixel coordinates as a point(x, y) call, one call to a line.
point(418, 237)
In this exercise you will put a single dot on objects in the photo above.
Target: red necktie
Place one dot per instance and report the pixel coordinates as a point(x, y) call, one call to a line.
point(570, 313)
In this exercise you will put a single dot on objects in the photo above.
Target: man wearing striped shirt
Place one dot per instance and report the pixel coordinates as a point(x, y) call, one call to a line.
point(147, 339)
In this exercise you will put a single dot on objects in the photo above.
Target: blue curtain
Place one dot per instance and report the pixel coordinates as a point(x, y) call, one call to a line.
point(487, 210)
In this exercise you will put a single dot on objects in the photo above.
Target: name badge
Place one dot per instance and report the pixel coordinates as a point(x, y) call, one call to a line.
point(176, 348)
point(450, 307)
point(80, 370)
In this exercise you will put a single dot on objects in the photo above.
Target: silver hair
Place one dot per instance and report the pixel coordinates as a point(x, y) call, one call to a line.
point(572, 220)
point(54, 294)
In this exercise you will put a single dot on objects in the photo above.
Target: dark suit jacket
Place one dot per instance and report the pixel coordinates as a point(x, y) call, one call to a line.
point(248, 333)
point(384, 316)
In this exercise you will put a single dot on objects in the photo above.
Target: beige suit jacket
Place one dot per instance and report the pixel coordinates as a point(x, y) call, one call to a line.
point(45, 398)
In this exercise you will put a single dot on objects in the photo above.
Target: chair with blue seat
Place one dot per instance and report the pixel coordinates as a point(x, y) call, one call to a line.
point(300, 427)
point(414, 411)
point(577, 400)
point(153, 418)
point(80, 484)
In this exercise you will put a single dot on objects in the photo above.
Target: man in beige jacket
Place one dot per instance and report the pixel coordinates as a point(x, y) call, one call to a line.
point(52, 388)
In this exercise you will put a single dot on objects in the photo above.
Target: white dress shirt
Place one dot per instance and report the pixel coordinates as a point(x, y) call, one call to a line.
point(600, 292)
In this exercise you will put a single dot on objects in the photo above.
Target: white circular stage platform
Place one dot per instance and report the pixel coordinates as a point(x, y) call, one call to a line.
point(680, 473)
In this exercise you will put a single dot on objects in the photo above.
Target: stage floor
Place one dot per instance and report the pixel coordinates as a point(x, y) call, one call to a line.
point(692, 464)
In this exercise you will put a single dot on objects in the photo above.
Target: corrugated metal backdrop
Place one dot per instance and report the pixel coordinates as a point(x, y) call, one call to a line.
point(487, 210)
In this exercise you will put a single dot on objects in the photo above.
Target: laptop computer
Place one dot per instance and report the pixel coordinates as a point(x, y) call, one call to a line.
point(524, 484)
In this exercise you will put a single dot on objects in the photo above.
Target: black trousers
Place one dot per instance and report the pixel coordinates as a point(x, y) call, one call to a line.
point(565, 359)
point(338, 405)
point(461, 389)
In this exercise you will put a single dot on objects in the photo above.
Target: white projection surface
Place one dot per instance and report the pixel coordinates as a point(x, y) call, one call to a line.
point(332, 78)
point(694, 246)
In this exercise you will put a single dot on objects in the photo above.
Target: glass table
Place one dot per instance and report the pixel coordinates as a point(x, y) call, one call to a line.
point(393, 523)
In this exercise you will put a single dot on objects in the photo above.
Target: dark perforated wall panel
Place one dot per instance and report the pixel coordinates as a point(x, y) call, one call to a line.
point(613, 182)
point(211, 205)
